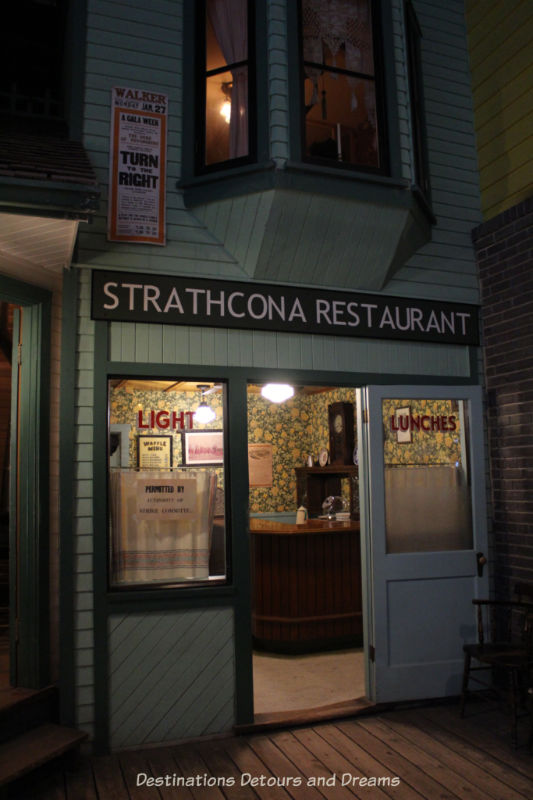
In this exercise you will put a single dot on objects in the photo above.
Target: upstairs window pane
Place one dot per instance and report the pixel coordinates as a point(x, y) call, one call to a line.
point(340, 100)
point(226, 81)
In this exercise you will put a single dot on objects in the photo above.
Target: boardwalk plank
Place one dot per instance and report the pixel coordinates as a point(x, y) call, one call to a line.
point(311, 766)
point(132, 764)
point(162, 764)
point(406, 770)
point(470, 759)
point(220, 765)
point(79, 783)
point(280, 765)
point(334, 760)
point(480, 732)
point(417, 733)
point(247, 762)
point(191, 764)
point(364, 763)
point(435, 754)
point(435, 767)
point(108, 778)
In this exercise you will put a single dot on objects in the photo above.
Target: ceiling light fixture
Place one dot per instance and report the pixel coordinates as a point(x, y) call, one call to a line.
point(204, 413)
point(277, 392)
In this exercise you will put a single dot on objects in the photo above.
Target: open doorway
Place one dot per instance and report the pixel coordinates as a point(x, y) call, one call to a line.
point(307, 621)
point(6, 349)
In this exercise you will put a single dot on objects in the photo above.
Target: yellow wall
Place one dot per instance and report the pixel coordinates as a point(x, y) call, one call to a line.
point(501, 63)
point(294, 429)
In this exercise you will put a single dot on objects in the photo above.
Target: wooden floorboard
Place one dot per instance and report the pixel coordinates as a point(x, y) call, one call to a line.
point(429, 752)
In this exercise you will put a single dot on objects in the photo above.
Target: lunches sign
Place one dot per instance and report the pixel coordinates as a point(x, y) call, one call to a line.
point(133, 297)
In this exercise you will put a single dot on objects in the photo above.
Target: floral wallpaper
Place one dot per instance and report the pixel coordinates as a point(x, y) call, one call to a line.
point(295, 429)
point(426, 447)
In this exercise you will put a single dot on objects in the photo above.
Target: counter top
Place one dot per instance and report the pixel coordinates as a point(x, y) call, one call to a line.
point(270, 526)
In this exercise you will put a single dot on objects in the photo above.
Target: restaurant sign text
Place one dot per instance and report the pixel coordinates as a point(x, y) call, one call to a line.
point(133, 297)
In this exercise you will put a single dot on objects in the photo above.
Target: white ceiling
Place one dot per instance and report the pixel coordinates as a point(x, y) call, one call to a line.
point(36, 249)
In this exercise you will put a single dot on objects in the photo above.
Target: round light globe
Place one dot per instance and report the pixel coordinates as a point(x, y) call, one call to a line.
point(277, 392)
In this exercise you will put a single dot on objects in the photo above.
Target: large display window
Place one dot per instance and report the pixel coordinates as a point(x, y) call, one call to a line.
point(167, 460)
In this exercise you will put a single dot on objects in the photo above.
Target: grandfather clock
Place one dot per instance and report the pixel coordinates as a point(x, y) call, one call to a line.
point(341, 433)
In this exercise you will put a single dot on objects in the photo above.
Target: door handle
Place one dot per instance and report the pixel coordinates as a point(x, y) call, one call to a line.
point(480, 561)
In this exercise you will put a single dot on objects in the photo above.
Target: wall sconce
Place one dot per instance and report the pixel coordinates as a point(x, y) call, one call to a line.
point(204, 413)
point(225, 109)
point(277, 392)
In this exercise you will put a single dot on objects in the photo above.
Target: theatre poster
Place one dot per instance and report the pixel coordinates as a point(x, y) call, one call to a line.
point(137, 166)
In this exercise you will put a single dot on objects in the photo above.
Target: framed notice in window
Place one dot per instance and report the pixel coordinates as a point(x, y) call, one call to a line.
point(260, 464)
point(203, 448)
point(154, 452)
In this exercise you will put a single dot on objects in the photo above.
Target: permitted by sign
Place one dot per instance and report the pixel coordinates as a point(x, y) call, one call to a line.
point(133, 297)
point(166, 499)
point(137, 166)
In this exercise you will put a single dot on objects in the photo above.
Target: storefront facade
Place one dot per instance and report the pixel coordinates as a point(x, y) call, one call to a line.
point(321, 239)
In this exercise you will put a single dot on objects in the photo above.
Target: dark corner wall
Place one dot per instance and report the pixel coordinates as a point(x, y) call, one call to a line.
point(504, 248)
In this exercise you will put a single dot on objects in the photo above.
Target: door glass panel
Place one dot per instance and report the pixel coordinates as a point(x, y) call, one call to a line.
point(427, 477)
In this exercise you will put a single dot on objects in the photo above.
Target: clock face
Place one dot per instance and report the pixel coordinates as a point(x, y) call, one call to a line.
point(338, 424)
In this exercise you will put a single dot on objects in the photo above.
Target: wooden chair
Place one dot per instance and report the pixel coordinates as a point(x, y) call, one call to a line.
point(505, 648)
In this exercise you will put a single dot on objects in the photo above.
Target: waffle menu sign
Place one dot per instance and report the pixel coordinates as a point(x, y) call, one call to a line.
point(134, 297)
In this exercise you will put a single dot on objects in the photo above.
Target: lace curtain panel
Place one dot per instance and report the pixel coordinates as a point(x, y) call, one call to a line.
point(337, 25)
point(147, 547)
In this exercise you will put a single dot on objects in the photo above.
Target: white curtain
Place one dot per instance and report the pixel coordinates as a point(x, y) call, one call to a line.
point(146, 550)
point(341, 24)
point(229, 19)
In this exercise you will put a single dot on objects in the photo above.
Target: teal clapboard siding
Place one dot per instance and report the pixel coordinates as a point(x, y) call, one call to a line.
point(169, 344)
point(83, 516)
point(171, 675)
point(445, 266)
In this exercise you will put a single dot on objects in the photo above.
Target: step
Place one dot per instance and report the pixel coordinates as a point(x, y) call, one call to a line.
point(21, 755)
point(24, 709)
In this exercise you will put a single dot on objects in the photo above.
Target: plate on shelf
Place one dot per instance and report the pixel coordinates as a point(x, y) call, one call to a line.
point(323, 457)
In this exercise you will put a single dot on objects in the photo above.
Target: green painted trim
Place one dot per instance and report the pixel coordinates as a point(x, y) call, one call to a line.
point(189, 92)
point(240, 549)
point(32, 566)
point(300, 176)
point(48, 198)
point(13, 291)
point(179, 599)
point(392, 120)
point(13, 532)
point(67, 457)
point(100, 534)
point(33, 508)
point(261, 82)
point(264, 374)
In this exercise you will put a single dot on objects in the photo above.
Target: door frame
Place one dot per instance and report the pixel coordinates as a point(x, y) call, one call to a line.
point(29, 539)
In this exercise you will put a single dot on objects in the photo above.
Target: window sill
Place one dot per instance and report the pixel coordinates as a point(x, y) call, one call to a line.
point(168, 597)
point(228, 183)
point(302, 176)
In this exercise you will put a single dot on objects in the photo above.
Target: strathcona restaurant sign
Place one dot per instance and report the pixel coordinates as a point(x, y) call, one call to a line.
point(136, 297)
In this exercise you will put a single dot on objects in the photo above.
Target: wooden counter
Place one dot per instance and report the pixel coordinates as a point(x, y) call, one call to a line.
point(306, 585)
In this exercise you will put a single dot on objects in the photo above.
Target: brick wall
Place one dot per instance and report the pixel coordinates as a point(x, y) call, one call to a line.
point(504, 250)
